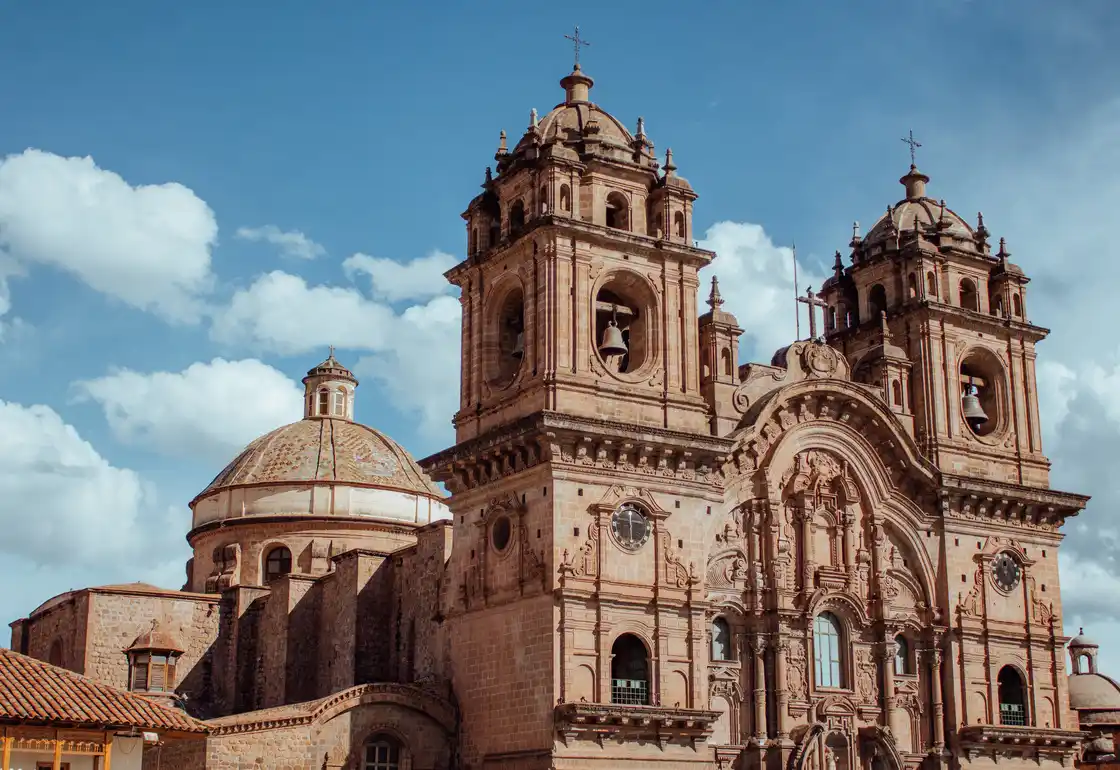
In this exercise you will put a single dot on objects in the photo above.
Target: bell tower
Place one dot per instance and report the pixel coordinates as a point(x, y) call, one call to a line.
point(926, 312)
point(585, 470)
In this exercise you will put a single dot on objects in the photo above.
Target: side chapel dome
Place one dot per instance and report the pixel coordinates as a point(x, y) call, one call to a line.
point(1093, 695)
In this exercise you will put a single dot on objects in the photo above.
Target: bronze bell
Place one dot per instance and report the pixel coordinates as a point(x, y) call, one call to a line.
point(518, 346)
point(613, 344)
point(974, 414)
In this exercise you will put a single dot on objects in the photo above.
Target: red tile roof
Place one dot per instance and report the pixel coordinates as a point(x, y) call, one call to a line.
point(34, 691)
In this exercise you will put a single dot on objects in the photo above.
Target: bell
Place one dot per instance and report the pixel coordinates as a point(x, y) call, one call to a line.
point(518, 346)
point(613, 344)
point(974, 414)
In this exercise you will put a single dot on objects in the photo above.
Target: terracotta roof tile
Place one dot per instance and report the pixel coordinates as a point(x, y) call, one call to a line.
point(34, 691)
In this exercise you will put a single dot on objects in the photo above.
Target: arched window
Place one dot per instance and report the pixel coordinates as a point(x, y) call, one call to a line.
point(969, 298)
point(54, 657)
point(544, 199)
point(277, 563)
point(996, 305)
point(725, 360)
point(1016, 305)
point(931, 284)
point(901, 655)
point(678, 224)
point(896, 392)
point(826, 650)
point(383, 752)
point(495, 235)
point(629, 671)
point(339, 402)
point(474, 240)
point(324, 402)
point(721, 640)
point(618, 211)
point(831, 319)
point(877, 301)
point(1012, 705)
point(912, 286)
point(657, 225)
point(516, 217)
point(565, 198)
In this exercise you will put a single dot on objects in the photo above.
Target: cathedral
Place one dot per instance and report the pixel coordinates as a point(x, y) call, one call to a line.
point(844, 558)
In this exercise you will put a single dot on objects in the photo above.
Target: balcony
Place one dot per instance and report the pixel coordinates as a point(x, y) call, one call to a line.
point(624, 722)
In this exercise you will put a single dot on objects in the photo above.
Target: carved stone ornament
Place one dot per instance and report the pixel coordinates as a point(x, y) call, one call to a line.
point(797, 673)
point(865, 675)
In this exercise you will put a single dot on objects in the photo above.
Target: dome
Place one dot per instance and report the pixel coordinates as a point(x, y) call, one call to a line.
point(331, 369)
point(569, 121)
point(1081, 640)
point(916, 207)
point(1093, 692)
point(327, 450)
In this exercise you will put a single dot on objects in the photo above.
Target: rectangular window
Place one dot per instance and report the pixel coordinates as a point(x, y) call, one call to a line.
point(630, 692)
point(140, 672)
point(1012, 714)
point(158, 673)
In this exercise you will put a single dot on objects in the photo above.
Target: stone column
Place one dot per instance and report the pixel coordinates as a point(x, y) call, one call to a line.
point(758, 648)
point(780, 646)
point(886, 658)
point(806, 547)
point(935, 693)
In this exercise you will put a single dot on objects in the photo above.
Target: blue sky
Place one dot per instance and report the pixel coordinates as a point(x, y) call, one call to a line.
point(366, 127)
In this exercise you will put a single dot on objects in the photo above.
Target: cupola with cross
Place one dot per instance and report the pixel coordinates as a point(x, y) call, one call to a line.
point(580, 276)
point(961, 355)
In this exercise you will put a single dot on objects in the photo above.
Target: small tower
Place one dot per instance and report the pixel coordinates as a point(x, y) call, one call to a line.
point(963, 350)
point(719, 362)
point(1083, 654)
point(328, 390)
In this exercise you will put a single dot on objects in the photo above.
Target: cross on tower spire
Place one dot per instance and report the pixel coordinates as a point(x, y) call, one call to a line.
point(914, 143)
point(577, 41)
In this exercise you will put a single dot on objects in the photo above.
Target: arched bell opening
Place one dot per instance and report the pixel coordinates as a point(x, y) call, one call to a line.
point(877, 301)
point(624, 323)
point(618, 211)
point(504, 349)
point(982, 392)
point(969, 297)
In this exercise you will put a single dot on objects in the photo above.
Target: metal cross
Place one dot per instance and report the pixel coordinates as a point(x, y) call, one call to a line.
point(814, 302)
point(332, 352)
point(576, 43)
point(914, 144)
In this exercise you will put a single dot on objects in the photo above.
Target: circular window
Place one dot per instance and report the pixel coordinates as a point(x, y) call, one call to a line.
point(631, 526)
point(500, 533)
point(1006, 572)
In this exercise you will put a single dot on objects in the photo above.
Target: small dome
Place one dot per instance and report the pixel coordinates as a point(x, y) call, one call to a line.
point(1081, 641)
point(156, 638)
point(780, 357)
point(1093, 692)
point(929, 214)
point(331, 369)
point(325, 450)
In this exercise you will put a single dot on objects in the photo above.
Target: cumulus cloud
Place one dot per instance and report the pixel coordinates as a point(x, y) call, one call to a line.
point(147, 245)
point(292, 243)
point(207, 411)
point(61, 497)
point(396, 281)
point(756, 282)
point(414, 353)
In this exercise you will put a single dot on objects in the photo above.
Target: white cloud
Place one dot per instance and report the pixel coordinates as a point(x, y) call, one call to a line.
point(292, 243)
point(414, 354)
point(148, 245)
point(65, 504)
point(207, 411)
point(396, 281)
point(756, 282)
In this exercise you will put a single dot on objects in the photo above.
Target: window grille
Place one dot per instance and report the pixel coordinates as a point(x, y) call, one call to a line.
point(630, 692)
point(1012, 714)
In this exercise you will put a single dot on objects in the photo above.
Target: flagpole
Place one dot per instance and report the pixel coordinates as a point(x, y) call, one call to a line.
point(796, 309)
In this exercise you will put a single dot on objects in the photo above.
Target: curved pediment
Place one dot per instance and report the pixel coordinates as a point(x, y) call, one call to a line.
point(844, 415)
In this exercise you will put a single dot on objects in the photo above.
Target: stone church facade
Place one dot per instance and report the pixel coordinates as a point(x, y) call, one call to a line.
point(650, 555)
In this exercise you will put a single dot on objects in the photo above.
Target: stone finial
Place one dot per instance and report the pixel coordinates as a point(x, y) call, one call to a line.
point(641, 127)
point(838, 266)
point(1003, 252)
point(715, 301)
point(489, 175)
point(533, 118)
point(884, 330)
point(502, 149)
point(670, 167)
point(855, 231)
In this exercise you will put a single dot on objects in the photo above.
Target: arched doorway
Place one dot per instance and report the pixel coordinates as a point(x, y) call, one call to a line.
point(630, 671)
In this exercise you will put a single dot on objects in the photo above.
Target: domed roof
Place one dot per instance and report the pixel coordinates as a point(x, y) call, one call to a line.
point(929, 214)
point(1081, 640)
point(155, 638)
point(331, 368)
point(323, 449)
point(1093, 692)
point(569, 121)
